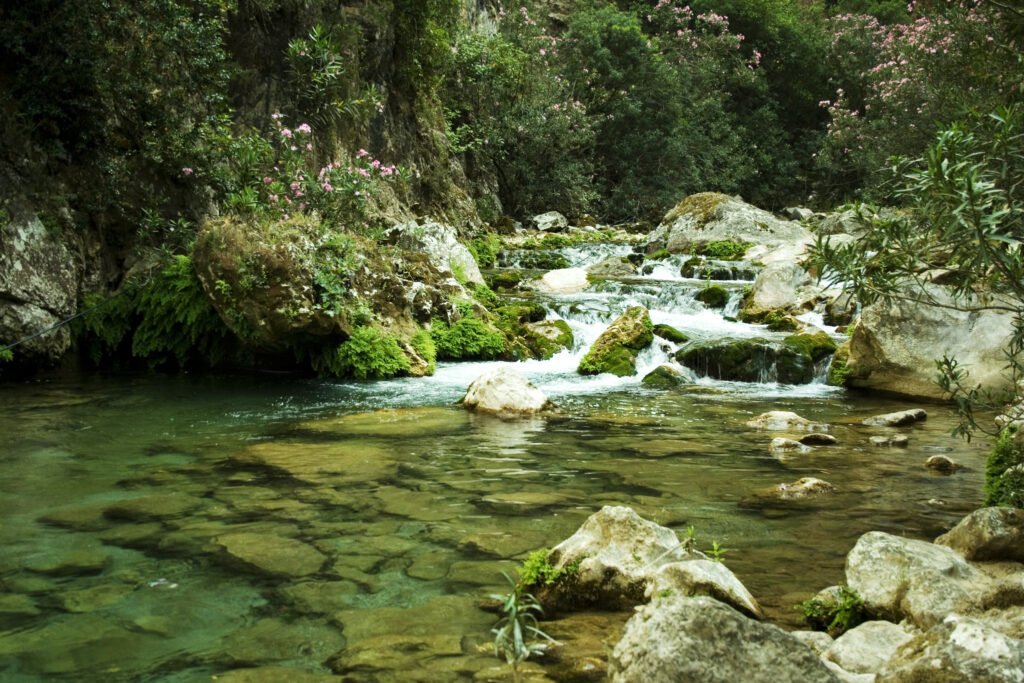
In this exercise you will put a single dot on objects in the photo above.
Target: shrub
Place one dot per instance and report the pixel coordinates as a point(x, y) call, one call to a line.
point(1004, 472)
point(835, 614)
point(468, 338)
point(423, 344)
point(369, 354)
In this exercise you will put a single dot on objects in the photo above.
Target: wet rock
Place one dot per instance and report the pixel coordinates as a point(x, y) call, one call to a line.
point(615, 554)
point(335, 463)
point(276, 640)
point(780, 444)
point(713, 296)
point(479, 574)
point(988, 534)
point(665, 377)
point(88, 642)
point(563, 281)
point(611, 267)
point(818, 439)
point(94, 598)
point(421, 506)
point(818, 641)
point(894, 346)
point(890, 441)
point(524, 502)
point(429, 566)
point(867, 647)
point(504, 392)
point(805, 490)
point(700, 639)
point(88, 518)
point(273, 555)
point(898, 419)
point(901, 578)
point(274, 674)
point(748, 360)
point(958, 649)
point(384, 654)
point(616, 349)
point(320, 597)
point(583, 641)
point(778, 420)
point(552, 221)
point(69, 563)
point(548, 337)
point(394, 423)
point(157, 507)
point(703, 577)
point(503, 543)
point(942, 464)
point(440, 243)
point(670, 333)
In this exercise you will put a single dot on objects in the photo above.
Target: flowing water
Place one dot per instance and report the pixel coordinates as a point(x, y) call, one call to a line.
point(178, 528)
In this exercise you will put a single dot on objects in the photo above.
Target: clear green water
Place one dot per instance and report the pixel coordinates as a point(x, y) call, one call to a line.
point(132, 512)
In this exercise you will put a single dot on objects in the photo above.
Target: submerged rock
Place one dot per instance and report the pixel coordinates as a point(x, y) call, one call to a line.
point(942, 464)
point(988, 534)
point(678, 638)
point(270, 554)
point(616, 349)
point(898, 419)
point(893, 440)
point(505, 393)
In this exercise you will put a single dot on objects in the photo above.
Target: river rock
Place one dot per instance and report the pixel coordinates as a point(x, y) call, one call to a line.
point(901, 578)
point(552, 221)
point(155, 507)
point(748, 360)
point(679, 638)
point(797, 213)
point(898, 419)
point(547, 337)
point(331, 462)
point(781, 444)
point(504, 392)
point(70, 562)
point(818, 641)
point(818, 439)
point(779, 420)
point(703, 577)
point(942, 464)
point(712, 217)
point(440, 243)
point(274, 674)
point(780, 286)
point(616, 349)
point(274, 640)
point(665, 377)
point(958, 649)
point(40, 274)
point(894, 346)
point(612, 267)
point(563, 281)
point(617, 554)
point(988, 534)
point(670, 333)
point(273, 555)
point(892, 440)
point(867, 647)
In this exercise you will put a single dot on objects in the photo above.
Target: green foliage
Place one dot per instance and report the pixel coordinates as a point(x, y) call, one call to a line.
point(517, 627)
point(836, 615)
point(368, 354)
point(485, 249)
point(468, 338)
point(716, 552)
point(537, 570)
point(713, 296)
point(6, 355)
point(725, 250)
point(423, 344)
point(1004, 472)
point(486, 296)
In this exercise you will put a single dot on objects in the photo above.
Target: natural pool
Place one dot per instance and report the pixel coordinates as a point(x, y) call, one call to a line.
point(175, 528)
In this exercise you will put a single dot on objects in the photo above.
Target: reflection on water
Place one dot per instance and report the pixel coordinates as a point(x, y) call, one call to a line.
point(171, 529)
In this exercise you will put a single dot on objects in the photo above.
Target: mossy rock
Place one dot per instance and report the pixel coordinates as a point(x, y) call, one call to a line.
point(548, 337)
point(505, 279)
point(839, 371)
point(664, 377)
point(748, 360)
point(670, 333)
point(713, 296)
point(615, 350)
point(777, 319)
point(702, 207)
point(818, 345)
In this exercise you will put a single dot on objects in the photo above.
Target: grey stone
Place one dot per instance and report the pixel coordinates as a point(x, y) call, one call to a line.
point(992, 533)
point(897, 419)
point(552, 221)
point(504, 392)
point(704, 577)
point(867, 647)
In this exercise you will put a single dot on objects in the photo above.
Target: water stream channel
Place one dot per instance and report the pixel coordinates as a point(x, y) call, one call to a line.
point(176, 528)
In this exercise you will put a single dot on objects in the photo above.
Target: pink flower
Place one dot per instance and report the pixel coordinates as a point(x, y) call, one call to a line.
point(187, 171)
point(286, 132)
point(362, 153)
point(273, 199)
point(328, 187)
point(304, 128)
point(267, 180)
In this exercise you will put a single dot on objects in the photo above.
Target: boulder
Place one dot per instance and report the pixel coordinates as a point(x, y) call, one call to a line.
point(781, 285)
point(778, 420)
point(818, 439)
point(805, 492)
point(611, 267)
point(40, 275)
point(818, 641)
point(552, 221)
point(669, 333)
point(563, 281)
point(942, 464)
point(616, 349)
point(440, 243)
point(679, 638)
point(547, 337)
point(504, 392)
point(988, 534)
point(613, 557)
point(797, 213)
point(665, 377)
point(704, 577)
point(781, 444)
point(894, 346)
point(748, 360)
point(901, 578)
point(701, 219)
point(900, 418)
point(958, 649)
point(892, 440)
point(867, 647)
point(713, 296)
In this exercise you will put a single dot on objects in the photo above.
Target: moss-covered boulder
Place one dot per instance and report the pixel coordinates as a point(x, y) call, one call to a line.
point(670, 333)
point(615, 350)
point(713, 296)
point(505, 279)
point(548, 337)
point(748, 360)
point(777, 319)
point(818, 345)
point(665, 377)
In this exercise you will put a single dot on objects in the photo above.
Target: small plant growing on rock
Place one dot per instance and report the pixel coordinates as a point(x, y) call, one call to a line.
point(717, 552)
point(517, 631)
point(835, 614)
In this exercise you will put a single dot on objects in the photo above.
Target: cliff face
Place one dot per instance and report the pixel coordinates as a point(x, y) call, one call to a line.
point(123, 151)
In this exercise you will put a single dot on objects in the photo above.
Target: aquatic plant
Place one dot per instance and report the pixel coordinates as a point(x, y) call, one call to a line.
point(518, 628)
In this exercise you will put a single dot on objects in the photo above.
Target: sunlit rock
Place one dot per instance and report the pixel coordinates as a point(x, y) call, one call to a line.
point(992, 534)
point(616, 349)
point(868, 646)
point(563, 281)
point(504, 392)
point(552, 221)
point(942, 464)
point(703, 577)
point(897, 419)
point(778, 420)
point(440, 243)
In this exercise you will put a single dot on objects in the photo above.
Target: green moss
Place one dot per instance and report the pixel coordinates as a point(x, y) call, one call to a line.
point(818, 345)
point(537, 570)
point(485, 249)
point(6, 355)
point(469, 338)
point(670, 333)
point(725, 250)
point(547, 338)
point(368, 354)
point(777, 319)
point(659, 255)
point(506, 279)
point(1004, 473)
point(835, 616)
point(423, 344)
point(713, 296)
point(701, 207)
point(839, 372)
point(618, 361)
point(663, 377)
point(615, 350)
point(486, 296)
